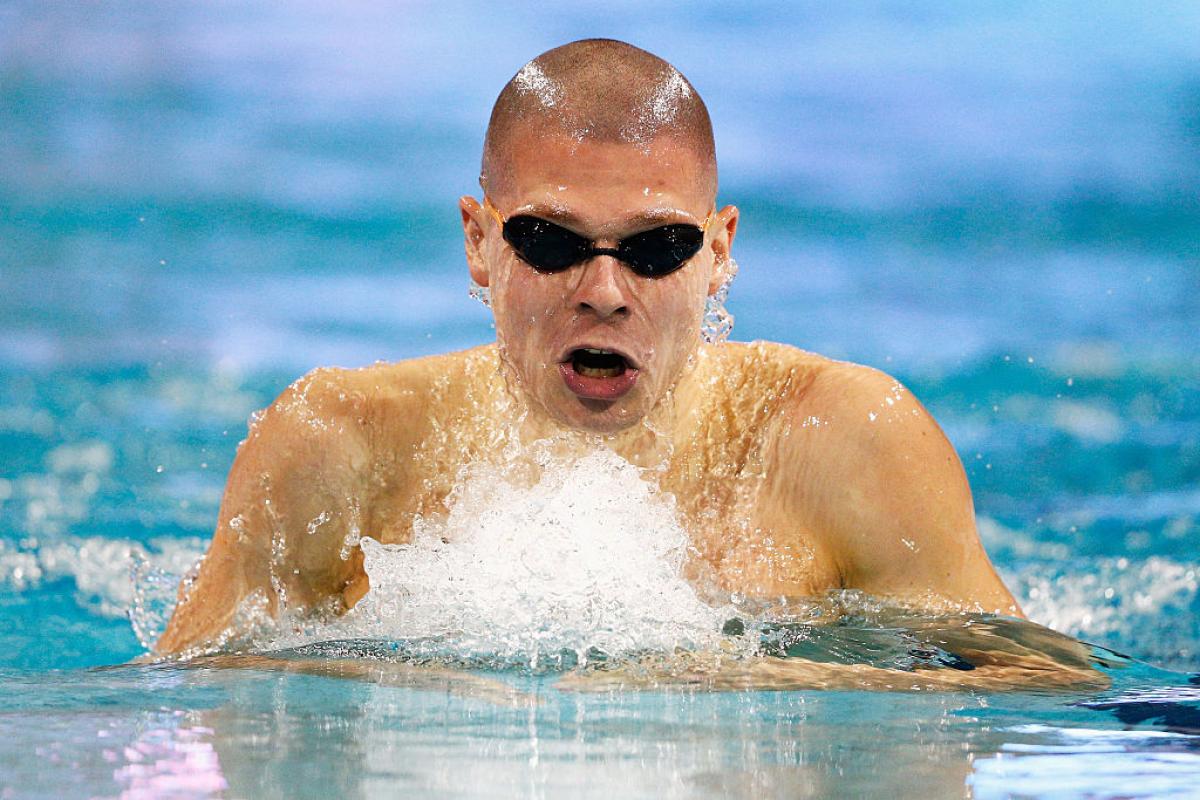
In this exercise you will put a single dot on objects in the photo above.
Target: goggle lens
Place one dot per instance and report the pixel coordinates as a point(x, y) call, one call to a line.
point(661, 251)
point(549, 247)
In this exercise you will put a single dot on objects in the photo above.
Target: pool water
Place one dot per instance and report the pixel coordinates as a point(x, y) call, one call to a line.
point(997, 204)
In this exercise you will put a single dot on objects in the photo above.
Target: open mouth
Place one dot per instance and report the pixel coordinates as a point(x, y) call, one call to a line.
point(593, 373)
point(593, 363)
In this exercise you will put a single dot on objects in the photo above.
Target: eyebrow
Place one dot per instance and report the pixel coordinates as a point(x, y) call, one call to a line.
point(558, 213)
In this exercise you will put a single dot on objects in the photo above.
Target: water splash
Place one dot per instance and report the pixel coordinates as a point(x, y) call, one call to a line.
point(587, 557)
point(99, 568)
point(1145, 607)
point(717, 323)
point(481, 293)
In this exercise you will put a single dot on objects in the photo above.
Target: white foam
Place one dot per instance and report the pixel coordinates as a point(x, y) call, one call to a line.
point(99, 567)
point(588, 556)
point(1140, 606)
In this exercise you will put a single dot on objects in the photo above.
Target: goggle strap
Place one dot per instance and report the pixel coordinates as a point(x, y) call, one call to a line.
point(495, 212)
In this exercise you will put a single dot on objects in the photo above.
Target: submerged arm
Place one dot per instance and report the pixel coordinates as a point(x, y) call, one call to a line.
point(976, 653)
point(1030, 673)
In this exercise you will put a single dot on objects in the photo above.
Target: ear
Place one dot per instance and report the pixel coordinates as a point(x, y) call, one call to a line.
point(474, 220)
point(724, 226)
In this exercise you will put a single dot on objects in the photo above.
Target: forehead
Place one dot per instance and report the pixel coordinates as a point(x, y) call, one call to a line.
point(604, 177)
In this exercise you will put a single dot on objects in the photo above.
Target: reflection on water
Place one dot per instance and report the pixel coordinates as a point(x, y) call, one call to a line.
point(269, 733)
point(166, 762)
point(1096, 763)
point(395, 725)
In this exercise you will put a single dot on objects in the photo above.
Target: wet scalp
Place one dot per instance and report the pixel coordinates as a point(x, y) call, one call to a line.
point(599, 90)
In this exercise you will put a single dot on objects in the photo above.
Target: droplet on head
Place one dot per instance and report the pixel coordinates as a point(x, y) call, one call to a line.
point(531, 80)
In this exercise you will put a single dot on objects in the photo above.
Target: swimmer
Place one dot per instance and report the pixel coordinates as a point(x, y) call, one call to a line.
point(598, 240)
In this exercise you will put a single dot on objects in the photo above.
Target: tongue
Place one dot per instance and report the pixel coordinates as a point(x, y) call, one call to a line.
point(597, 388)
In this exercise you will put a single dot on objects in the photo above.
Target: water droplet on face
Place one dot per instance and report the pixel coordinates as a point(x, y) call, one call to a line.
point(480, 293)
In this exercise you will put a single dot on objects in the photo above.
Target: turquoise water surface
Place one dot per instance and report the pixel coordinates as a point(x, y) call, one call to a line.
point(999, 203)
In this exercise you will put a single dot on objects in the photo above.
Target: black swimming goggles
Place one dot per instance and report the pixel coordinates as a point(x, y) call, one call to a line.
point(549, 247)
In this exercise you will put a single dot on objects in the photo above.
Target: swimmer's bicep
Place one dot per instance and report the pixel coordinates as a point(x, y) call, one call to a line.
point(290, 502)
point(906, 519)
point(294, 500)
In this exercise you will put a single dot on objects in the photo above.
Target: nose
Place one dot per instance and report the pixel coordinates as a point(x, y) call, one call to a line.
point(601, 289)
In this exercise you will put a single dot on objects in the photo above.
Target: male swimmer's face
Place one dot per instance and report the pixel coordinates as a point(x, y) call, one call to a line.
point(550, 327)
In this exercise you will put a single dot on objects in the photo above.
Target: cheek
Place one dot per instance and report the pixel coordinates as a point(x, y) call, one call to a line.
point(523, 302)
point(532, 299)
point(683, 306)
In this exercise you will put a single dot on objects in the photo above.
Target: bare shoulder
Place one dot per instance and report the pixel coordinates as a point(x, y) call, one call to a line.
point(818, 390)
point(343, 406)
point(874, 438)
point(444, 377)
point(760, 377)
point(772, 357)
point(867, 466)
point(866, 405)
point(339, 389)
point(855, 430)
point(853, 411)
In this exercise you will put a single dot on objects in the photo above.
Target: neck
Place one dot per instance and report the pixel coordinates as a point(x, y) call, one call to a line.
point(672, 420)
point(648, 443)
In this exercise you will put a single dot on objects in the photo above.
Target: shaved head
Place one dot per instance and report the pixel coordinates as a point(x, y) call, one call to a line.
point(597, 90)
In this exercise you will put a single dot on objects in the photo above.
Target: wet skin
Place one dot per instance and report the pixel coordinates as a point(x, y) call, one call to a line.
point(794, 474)
point(604, 192)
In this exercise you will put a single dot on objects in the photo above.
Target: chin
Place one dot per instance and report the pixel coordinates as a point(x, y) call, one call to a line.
point(597, 416)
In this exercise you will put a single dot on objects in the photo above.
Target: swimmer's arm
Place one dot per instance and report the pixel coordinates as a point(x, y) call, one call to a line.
point(1029, 672)
point(292, 497)
point(896, 504)
point(977, 653)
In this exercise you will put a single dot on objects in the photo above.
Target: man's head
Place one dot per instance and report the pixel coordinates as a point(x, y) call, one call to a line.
point(607, 141)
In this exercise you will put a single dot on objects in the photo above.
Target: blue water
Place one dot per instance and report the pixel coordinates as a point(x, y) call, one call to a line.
point(998, 202)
